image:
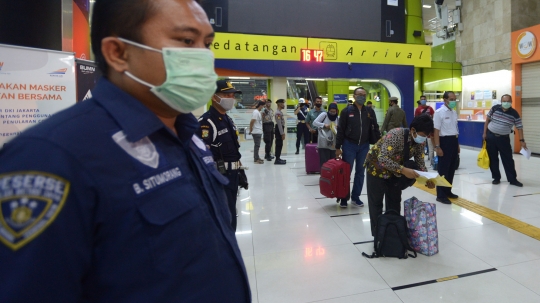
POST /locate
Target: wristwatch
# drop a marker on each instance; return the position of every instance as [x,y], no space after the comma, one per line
[522,140]
[437,146]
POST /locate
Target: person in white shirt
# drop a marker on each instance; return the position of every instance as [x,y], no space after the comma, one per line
[326,124]
[255,129]
[446,144]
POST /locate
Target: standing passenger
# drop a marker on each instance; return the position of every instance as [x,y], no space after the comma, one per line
[395,117]
[311,116]
[256,130]
[500,121]
[327,125]
[353,137]
[280,131]
[446,144]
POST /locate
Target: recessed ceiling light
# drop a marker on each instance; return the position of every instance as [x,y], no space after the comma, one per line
[426,6]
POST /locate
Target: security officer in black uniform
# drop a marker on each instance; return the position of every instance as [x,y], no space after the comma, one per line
[116,199]
[301,128]
[219,132]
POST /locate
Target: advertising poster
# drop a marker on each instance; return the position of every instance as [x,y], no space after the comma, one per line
[87,76]
[479,95]
[34,85]
[487,95]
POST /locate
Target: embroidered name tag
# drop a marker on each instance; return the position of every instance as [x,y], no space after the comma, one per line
[29,202]
[157,180]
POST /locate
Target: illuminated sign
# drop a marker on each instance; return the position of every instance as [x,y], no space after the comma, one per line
[309,55]
[526,45]
[310,252]
[284,48]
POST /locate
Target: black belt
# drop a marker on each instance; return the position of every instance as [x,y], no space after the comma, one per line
[497,135]
[452,136]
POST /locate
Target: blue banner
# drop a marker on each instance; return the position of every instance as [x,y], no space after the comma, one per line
[340,98]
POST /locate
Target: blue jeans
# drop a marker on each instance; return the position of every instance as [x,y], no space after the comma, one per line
[353,152]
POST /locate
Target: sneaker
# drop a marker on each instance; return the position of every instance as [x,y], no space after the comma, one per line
[343,206]
[259,161]
[297,152]
[279,162]
[497,181]
[357,203]
[517,183]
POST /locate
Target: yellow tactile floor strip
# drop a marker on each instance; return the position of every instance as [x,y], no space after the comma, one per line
[522,227]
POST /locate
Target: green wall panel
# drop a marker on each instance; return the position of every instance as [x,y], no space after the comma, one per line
[444,52]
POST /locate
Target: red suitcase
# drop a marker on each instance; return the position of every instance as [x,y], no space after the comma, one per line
[312,159]
[335,180]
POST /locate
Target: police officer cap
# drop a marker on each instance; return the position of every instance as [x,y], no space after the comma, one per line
[225,86]
[280,101]
[393,98]
[301,101]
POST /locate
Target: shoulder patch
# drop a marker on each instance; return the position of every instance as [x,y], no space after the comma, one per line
[205,133]
[29,202]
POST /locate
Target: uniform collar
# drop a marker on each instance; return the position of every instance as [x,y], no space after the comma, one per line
[214,112]
[135,119]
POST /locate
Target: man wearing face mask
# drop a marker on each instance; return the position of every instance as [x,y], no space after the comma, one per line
[301,128]
[446,144]
[353,137]
[219,132]
[500,122]
[425,109]
[311,116]
[116,199]
[395,117]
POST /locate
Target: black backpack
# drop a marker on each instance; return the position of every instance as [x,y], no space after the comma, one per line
[391,237]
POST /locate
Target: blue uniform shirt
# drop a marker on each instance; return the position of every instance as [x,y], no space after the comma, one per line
[219,132]
[103,203]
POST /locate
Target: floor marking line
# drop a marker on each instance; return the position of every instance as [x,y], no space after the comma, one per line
[356,243]
[515,224]
[526,195]
[345,215]
[450,278]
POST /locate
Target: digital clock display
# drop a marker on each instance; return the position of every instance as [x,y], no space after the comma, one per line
[311,55]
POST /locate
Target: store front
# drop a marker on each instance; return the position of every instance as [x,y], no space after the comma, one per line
[526,84]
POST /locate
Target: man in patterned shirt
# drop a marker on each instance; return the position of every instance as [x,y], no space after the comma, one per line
[384,164]
[500,121]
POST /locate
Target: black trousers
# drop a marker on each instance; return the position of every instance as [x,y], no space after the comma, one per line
[232,192]
[326,154]
[279,143]
[314,136]
[447,163]
[268,137]
[302,130]
[377,189]
[496,145]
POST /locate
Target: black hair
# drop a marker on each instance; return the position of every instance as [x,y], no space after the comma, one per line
[418,102]
[423,96]
[359,87]
[506,95]
[447,93]
[318,97]
[122,18]
[280,101]
[369,102]
[422,123]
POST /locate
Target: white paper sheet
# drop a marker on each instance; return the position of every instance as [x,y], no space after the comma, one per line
[526,153]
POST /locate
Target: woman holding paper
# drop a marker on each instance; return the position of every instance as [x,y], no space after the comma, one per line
[385,165]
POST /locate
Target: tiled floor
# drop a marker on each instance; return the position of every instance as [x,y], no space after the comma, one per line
[298,247]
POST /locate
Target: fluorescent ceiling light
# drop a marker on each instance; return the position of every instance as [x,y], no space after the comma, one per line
[239,82]
[243,232]
[426,6]
[264,221]
[314,79]
[369,80]
[240,78]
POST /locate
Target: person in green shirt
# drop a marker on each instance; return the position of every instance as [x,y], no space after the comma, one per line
[311,116]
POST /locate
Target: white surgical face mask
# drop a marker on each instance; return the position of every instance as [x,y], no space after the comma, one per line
[419,139]
[191,79]
[226,103]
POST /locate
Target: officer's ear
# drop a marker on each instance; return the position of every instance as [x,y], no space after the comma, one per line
[115,53]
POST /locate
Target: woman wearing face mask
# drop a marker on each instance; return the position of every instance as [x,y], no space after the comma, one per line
[326,123]
[384,165]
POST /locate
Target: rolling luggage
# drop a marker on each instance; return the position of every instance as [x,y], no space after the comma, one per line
[312,159]
[335,179]
[422,222]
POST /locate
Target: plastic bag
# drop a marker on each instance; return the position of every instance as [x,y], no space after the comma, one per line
[483,159]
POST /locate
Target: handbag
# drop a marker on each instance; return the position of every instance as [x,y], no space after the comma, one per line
[374,132]
[483,158]
[404,182]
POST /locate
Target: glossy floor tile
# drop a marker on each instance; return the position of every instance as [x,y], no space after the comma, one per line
[298,246]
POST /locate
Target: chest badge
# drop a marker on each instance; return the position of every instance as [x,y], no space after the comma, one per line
[143,150]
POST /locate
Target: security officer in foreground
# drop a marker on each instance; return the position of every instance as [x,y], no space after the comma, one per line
[116,199]
[219,132]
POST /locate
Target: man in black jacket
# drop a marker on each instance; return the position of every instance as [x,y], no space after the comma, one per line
[353,138]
